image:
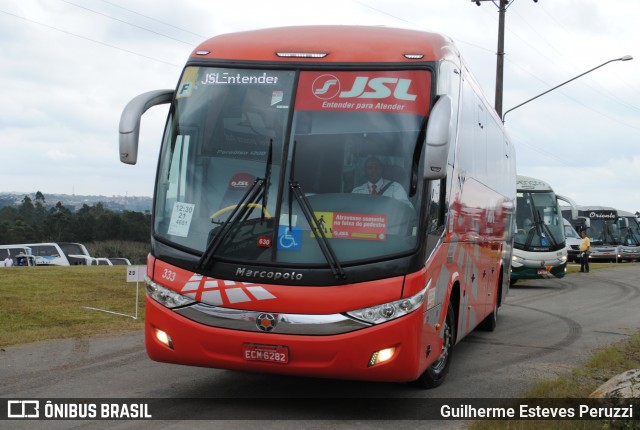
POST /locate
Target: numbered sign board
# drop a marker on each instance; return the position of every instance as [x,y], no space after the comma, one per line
[136,273]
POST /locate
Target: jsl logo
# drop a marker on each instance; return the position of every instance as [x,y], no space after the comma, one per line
[326,87]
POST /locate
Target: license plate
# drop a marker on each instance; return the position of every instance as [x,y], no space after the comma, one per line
[268,353]
[542,272]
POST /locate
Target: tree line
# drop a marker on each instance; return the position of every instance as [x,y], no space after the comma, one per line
[32,221]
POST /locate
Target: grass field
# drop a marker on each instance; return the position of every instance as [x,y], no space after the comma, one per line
[41,303]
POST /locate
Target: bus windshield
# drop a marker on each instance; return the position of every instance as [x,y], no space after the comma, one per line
[539,223]
[604,232]
[631,234]
[276,166]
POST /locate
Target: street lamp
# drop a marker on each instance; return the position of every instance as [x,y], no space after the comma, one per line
[625,58]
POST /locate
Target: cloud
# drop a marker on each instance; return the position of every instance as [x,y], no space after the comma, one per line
[58,155]
[68,71]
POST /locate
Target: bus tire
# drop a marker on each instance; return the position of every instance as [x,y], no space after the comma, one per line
[491,320]
[435,374]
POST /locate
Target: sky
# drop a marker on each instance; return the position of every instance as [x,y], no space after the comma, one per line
[69,67]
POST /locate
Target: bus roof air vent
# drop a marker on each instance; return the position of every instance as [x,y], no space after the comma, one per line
[302,54]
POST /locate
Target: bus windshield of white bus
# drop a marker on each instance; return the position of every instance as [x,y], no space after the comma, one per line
[604,232]
[276,166]
[539,223]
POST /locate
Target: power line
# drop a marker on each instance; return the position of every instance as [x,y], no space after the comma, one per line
[88,39]
[154,19]
[127,23]
[602,91]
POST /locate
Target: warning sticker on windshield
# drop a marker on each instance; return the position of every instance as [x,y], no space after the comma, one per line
[181,219]
[343,225]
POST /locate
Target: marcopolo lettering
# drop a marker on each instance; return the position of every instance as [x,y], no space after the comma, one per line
[268,274]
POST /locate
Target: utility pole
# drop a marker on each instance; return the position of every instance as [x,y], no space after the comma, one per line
[502,9]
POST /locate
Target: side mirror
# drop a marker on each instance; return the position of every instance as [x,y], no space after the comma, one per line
[623,223]
[130,121]
[574,209]
[437,139]
[584,222]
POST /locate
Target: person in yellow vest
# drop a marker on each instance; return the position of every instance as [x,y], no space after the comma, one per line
[585,247]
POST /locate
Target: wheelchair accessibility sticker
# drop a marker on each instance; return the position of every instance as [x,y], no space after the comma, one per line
[289,239]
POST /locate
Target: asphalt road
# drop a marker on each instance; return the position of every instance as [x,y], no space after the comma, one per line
[545,328]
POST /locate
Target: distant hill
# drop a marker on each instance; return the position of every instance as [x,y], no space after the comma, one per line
[75,202]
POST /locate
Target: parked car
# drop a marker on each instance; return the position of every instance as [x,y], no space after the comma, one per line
[101,261]
[118,261]
[573,242]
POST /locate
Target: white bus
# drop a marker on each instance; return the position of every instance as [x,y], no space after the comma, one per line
[21,255]
[539,248]
[46,254]
[601,225]
[629,247]
[76,253]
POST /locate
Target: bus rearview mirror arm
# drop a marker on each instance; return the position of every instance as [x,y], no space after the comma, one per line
[130,121]
[437,139]
[572,203]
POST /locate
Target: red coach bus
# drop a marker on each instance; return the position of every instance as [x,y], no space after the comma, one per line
[330,201]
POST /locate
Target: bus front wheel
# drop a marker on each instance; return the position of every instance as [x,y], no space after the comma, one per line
[435,374]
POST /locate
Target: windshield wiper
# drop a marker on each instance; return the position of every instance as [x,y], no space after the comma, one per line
[241,211]
[317,230]
[541,228]
[316,227]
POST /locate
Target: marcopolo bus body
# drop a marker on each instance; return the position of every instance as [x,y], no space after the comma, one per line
[265,259]
[539,241]
[601,225]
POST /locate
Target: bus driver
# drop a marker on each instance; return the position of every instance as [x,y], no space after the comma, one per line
[377,185]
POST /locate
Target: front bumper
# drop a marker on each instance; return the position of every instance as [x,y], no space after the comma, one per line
[341,356]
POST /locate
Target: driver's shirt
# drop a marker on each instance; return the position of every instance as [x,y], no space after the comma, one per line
[394,190]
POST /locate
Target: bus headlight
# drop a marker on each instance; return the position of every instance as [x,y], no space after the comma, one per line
[389,311]
[165,296]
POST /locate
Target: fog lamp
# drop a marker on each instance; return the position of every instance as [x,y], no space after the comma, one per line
[164,338]
[381,356]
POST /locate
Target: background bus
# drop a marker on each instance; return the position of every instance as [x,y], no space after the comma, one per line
[47,254]
[539,241]
[601,225]
[263,259]
[76,253]
[21,255]
[629,248]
